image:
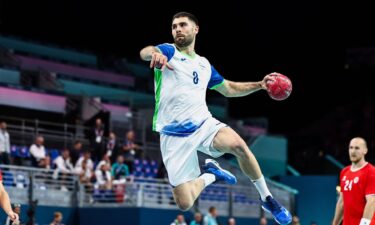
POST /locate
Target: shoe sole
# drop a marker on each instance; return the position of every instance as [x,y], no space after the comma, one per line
[275,218]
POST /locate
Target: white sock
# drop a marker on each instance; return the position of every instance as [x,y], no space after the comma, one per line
[208,178]
[261,186]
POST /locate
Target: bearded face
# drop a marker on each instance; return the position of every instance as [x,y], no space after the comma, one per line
[183,41]
[183,32]
[357,150]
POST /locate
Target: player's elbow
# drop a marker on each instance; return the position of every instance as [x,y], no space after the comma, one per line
[225,92]
[142,54]
[146,53]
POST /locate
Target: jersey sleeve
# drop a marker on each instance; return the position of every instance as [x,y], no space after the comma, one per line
[216,79]
[167,50]
[1,176]
[370,187]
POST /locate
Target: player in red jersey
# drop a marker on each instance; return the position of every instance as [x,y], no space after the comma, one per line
[356,204]
[5,202]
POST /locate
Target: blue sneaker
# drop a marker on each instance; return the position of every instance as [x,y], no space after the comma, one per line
[211,166]
[279,213]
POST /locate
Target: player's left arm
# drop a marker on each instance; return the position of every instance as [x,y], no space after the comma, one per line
[369,210]
[239,89]
[5,203]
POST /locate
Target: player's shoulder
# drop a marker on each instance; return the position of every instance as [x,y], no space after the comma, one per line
[371,167]
[345,169]
[166,45]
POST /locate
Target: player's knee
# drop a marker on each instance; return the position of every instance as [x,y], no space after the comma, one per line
[184,205]
[238,148]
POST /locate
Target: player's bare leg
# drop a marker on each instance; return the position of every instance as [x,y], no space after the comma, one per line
[186,194]
[228,141]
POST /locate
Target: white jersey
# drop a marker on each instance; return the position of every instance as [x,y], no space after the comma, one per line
[180,93]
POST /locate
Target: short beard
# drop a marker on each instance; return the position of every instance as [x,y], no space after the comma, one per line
[184,42]
[356,160]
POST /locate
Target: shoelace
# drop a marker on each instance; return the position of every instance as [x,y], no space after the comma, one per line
[274,205]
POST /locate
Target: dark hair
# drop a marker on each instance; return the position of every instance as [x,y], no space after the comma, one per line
[186,14]
[86,151]
[211,209]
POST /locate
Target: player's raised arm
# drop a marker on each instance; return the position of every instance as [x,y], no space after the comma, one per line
[339,211]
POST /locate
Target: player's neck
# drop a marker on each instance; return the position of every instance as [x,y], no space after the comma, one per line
[188,50]
[359,165]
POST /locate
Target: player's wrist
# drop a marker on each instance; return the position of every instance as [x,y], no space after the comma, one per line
[365,221]
[259,84]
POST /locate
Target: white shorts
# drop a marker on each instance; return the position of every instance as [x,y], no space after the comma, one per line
[180,153]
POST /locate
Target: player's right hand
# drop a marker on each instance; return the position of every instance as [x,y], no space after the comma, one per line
[268,78]
[13,217]
[159,61]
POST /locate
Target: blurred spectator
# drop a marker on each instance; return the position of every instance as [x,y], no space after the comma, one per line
[84,167]
[103,177]
[63,167]
[76,152]
[119,171]
[131,149]
[180,220]
[105,160]
[231,221]
[210,218]
[197,219]
[112,147]
[313,223]
[263,221]
[38,154]
[17,209]
[97,139]
[4,144]
[57,218]
[295,220]
[86,156]
[62,162]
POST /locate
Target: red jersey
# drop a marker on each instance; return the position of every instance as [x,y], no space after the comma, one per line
[355,185]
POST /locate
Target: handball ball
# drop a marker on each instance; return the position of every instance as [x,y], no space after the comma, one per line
[279,89]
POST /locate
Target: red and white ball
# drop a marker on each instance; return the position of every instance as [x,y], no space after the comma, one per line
[281,88]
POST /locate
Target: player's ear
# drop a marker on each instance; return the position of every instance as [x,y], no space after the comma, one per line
[196,29]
